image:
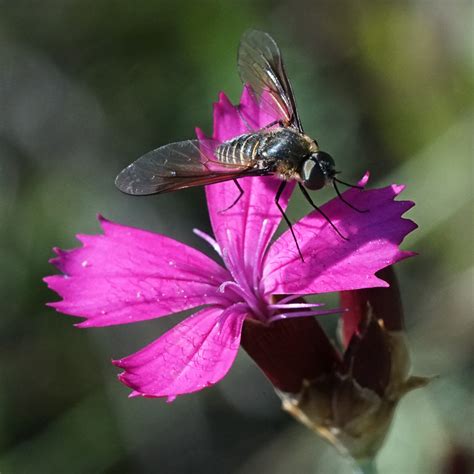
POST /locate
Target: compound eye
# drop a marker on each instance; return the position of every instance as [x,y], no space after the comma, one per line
[327,163]
[312,174]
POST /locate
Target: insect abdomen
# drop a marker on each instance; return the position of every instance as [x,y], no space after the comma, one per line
[241,150]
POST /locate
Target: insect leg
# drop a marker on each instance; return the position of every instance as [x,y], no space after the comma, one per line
[346,202]
[241,193]
[316,208]
[277,199]
[271,124]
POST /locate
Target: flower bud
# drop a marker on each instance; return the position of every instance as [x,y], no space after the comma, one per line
[353,405]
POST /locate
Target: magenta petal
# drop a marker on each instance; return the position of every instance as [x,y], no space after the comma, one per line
[253,220]
[231,121]
[246,229]
[258,115]
[128,275]
[227,120]
[196,353]
[331,263]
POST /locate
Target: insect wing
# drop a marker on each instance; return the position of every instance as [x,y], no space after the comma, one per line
[261,66]
[177,166]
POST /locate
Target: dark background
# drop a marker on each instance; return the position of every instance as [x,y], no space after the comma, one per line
[88,86]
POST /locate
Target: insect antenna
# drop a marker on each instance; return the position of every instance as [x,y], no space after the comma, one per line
[316,208]
[277,199]
[356,186]
[334,182]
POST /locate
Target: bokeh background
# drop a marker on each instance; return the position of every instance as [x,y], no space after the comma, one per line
[87,86]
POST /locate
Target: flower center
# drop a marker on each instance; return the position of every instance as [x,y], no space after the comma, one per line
[247,286]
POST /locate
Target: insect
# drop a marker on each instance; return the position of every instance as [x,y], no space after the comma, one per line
[281,148]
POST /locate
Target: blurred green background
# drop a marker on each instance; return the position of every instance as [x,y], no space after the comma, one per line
[88,86]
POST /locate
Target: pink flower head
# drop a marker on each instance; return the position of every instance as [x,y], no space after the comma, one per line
[128,275]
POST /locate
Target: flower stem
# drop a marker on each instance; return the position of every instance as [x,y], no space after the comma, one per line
[365,466]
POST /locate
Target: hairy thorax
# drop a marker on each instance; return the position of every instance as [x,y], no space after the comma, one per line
[287,149]
[281,151]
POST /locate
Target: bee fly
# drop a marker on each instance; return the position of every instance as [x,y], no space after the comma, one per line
[281,148]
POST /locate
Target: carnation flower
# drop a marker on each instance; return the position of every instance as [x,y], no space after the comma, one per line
[128,275]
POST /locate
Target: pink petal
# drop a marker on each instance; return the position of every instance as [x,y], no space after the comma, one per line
[231,121]
[128,275]
[246,229]
[196,353]
[384,303]
[331,263]
[240,229]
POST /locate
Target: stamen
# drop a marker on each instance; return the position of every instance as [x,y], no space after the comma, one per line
[229,263]
[261,245]
[289,298]
[295,305]
[212,242]
[240,285]
[236,269]
[249,298]
[301,314]
[233,286]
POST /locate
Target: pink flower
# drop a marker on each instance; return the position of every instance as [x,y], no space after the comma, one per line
[128,275]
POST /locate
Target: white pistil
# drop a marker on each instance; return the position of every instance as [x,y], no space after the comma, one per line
[211,241]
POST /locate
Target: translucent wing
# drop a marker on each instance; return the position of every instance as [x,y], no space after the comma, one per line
[261,66]
[177,166]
